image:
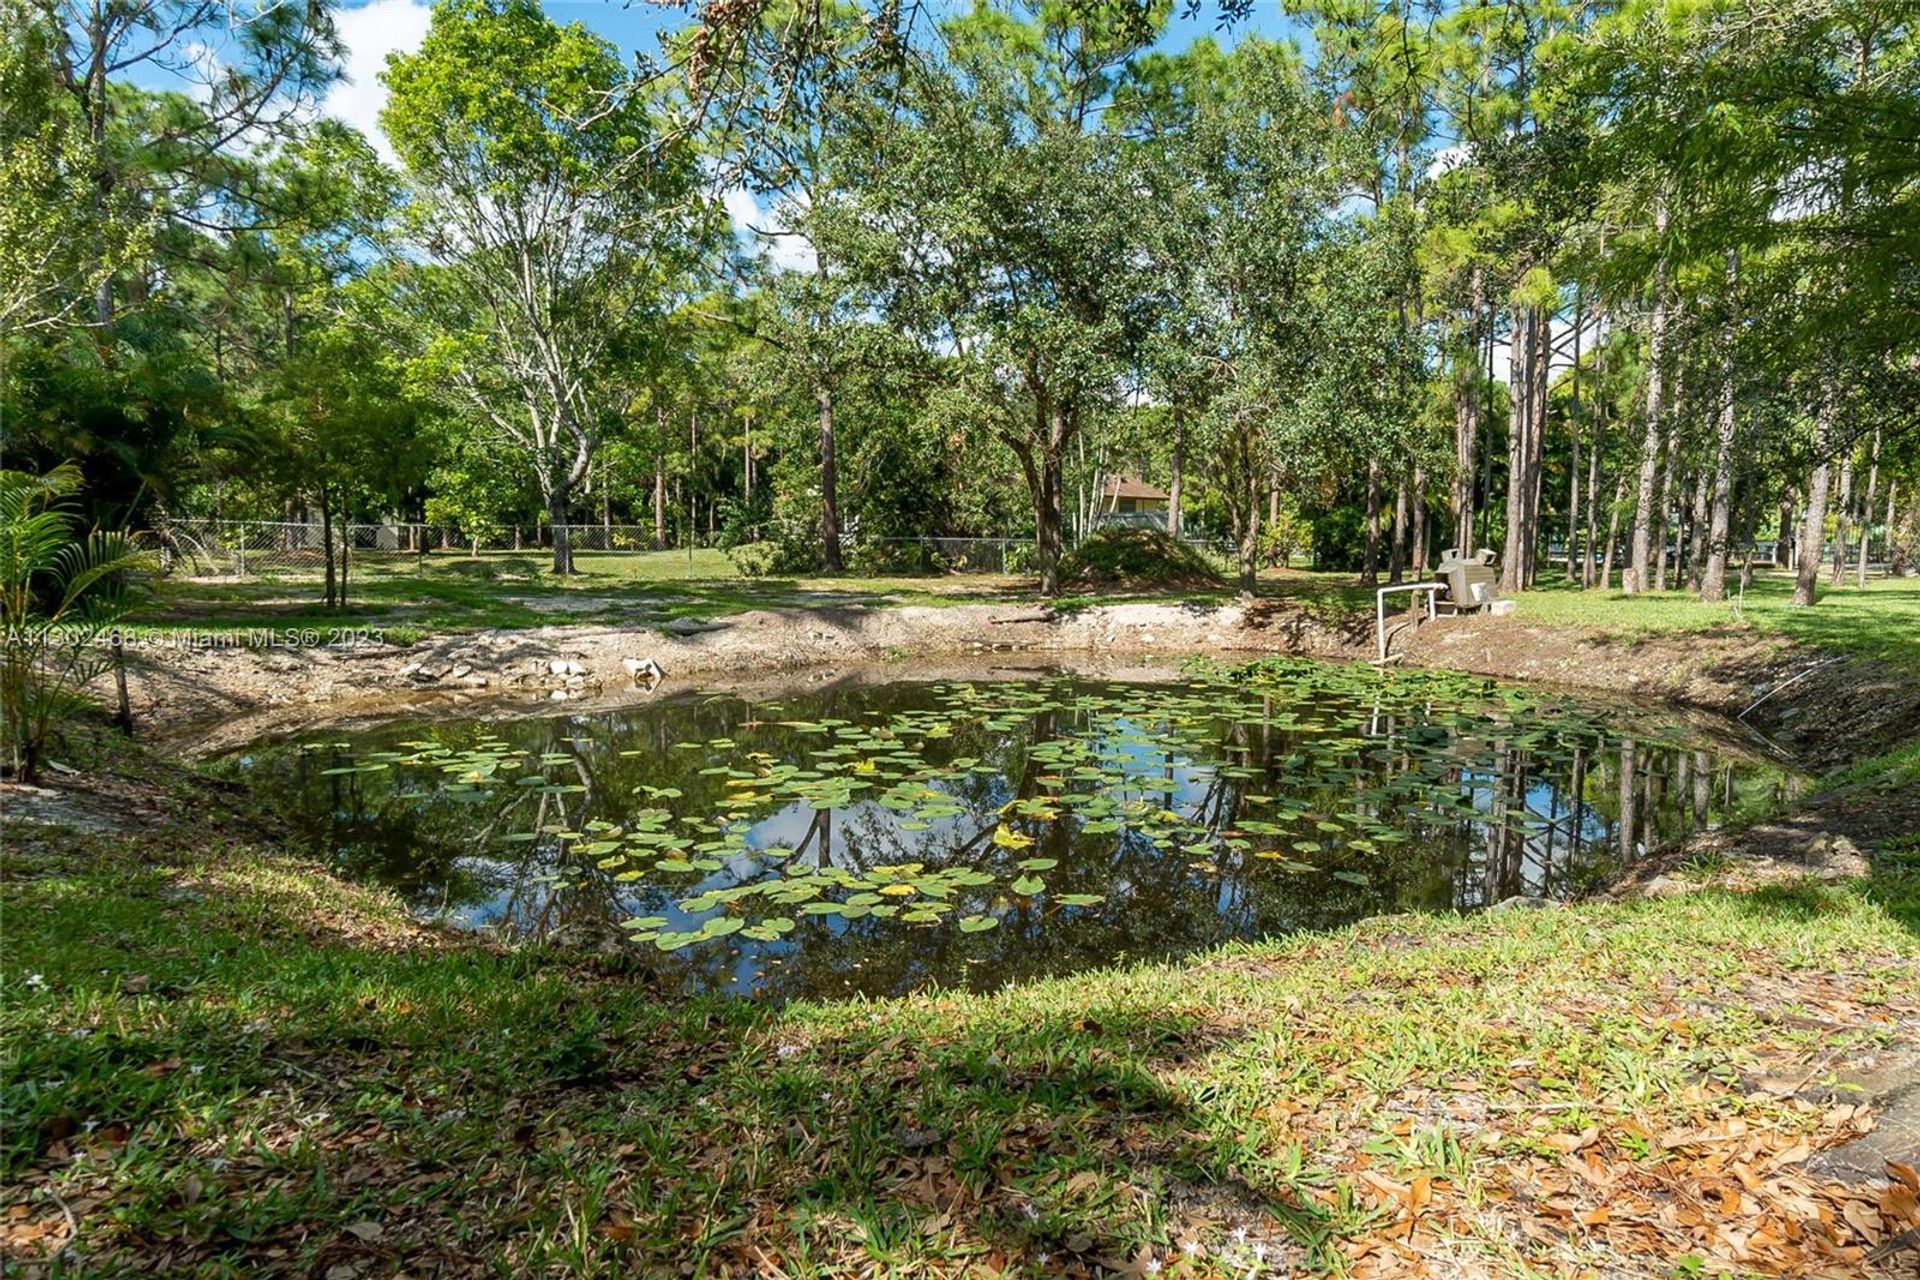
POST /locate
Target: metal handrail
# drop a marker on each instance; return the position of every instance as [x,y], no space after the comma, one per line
[1380,609]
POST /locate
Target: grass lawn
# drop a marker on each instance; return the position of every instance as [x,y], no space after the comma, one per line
[1882,621]
[222,1063]
[513,590]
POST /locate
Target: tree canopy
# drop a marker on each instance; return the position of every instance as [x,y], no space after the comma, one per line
[1622,287]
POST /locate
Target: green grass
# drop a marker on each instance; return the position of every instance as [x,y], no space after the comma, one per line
[509,590]
[263,1071]
[1881,622]
[446,594]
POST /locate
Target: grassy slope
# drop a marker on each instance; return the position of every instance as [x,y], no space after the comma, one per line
[1882,621]
[239,1066]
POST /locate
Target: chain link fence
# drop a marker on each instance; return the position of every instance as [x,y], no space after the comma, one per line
[267,548]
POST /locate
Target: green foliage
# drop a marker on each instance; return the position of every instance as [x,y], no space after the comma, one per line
[58,241]
[756,559]
[559,215]
[1135,557]
[1282,540]
[62,589]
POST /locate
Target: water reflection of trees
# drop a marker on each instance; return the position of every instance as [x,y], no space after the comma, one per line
[1490,806]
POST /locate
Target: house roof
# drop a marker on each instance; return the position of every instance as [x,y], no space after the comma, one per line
[1126,486]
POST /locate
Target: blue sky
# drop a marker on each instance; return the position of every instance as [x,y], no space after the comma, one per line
[374,29]
[378,27]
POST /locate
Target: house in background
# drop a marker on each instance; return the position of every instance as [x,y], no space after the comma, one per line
[1126,499]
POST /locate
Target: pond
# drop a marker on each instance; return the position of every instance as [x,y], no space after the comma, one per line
[881,838]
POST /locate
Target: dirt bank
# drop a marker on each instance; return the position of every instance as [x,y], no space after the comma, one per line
[1822,710]
[182,693]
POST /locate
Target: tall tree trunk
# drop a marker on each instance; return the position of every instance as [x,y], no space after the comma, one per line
[830,560]
[1537,437]
[1613,531]
[1783,536]
[1048,499]
[1466,440]
[1843,511]
[1397,552]
[659,477]
[1813,529]
[1713,581]
[326,541]
[606,509]
[1587,566]
[1485,492]
[1899,546]
[1641,563]
[1419,555]
[1247,531]
[659,501]
[1866,509]
[1370,567]
[1519,384]
[1466,422]
[562,531]
[1697,533]
[1666,525]
[1522,452]
[1573,467]
[687,491]
[1175,512]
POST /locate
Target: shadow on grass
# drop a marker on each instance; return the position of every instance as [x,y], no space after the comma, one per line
[255,1081]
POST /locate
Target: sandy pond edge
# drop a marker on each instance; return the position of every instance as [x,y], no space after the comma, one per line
[1820,710]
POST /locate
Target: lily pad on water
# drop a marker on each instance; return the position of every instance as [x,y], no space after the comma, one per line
[919,805]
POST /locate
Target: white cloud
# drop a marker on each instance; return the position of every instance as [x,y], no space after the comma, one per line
[1446,159]
[204,69]
[783,249]
[742,211]
[370,32]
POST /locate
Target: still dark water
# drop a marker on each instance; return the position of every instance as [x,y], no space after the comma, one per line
[883,838]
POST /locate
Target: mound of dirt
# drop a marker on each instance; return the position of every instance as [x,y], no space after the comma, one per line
[1135,558]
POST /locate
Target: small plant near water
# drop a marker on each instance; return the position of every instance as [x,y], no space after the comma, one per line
[62,591]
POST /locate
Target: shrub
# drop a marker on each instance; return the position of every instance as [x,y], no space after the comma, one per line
[1282,540]
[1020,558]
[62,591]
[1136,557]
[774,556]
[753,559]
